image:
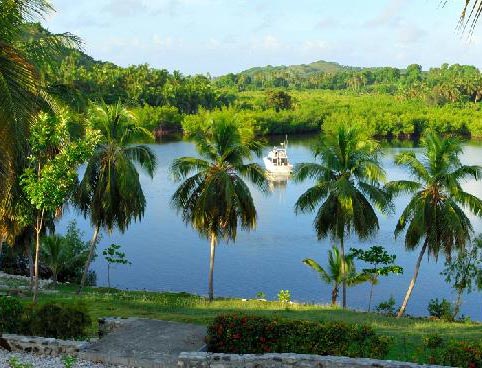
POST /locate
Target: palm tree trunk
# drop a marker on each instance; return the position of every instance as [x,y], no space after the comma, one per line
[371,296]
[211,267]
[414,279]
[93,242]
[334,294]
[343,269]
[38,229]
[54,278]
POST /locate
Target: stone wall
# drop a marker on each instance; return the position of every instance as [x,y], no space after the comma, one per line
[43,345]
[212,360]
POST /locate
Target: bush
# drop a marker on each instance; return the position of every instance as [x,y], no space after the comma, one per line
[241,334]
[442,310]
[453,353]
[11,312]
[77,251]
[387,307]
[59,321]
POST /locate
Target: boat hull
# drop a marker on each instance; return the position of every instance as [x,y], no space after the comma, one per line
[277,169]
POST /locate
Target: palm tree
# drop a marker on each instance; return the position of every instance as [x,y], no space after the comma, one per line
[470,14]
[22,92]
[347,186]
[55,254]
[110,193]
[435,213]
[215,198]
[334,274]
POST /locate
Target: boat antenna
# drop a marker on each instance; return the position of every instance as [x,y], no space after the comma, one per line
[286,141]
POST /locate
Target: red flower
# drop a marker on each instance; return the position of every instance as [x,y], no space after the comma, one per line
[237,336]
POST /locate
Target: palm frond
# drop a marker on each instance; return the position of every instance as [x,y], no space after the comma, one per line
[144,156]
[320,270]
[183,166]
[256,175]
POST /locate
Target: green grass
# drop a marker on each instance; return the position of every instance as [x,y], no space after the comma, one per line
[407,333]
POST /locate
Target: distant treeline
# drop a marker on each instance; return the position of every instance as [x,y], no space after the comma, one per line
[378,114]
[437,86]
[387,101]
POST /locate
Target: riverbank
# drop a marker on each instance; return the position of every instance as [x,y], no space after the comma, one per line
[406,332]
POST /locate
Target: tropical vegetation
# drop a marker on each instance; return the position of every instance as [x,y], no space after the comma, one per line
[434,217]
[214,197]
[110,193]
[348,187]
[339,270]
[60,110]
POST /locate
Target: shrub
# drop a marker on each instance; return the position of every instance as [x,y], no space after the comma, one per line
[59,321]
[11,311]
[442,310]
[387,307]
[453,353]
[241,334]
[284,296]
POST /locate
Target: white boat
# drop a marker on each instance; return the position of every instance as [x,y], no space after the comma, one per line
[277,163]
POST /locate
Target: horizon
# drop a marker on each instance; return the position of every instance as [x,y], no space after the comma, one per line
[209,37]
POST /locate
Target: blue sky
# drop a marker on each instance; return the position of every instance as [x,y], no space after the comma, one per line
[221,36]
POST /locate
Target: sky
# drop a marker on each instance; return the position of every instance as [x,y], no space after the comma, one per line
[222,36]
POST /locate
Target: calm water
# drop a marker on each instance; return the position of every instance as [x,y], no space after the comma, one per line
[168,256]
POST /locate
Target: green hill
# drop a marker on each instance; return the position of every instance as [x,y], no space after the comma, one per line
[320,66]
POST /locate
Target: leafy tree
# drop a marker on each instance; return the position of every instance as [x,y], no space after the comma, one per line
[382,265]
[347,188]
[279,100]
[215,198]
[110,193]
[434,215]
[113,255]
[464,273]
[339,271]
[51,176]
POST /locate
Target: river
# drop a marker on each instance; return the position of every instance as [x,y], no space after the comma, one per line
[167,255]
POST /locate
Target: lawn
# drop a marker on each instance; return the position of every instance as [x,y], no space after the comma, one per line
[406,332]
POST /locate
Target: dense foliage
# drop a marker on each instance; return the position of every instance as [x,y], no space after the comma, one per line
[11,312]
[243,334]
[452,353]
[57,320]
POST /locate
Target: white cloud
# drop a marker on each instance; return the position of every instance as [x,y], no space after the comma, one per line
[389,15]
[271,43]
[410,33]
[314,45]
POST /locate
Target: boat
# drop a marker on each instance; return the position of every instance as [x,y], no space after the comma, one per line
[277,163]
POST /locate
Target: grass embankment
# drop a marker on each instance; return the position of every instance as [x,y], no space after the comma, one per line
[406,332]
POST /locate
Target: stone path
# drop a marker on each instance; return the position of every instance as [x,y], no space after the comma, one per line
[146,343]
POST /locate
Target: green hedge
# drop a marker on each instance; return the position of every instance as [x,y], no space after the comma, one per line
[11,313]
[243,334]
[452,353]
[47,320]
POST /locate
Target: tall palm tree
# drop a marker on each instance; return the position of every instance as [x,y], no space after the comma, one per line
[110,193]
[334,275]
[347,188]
[434,216]
[215,198]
